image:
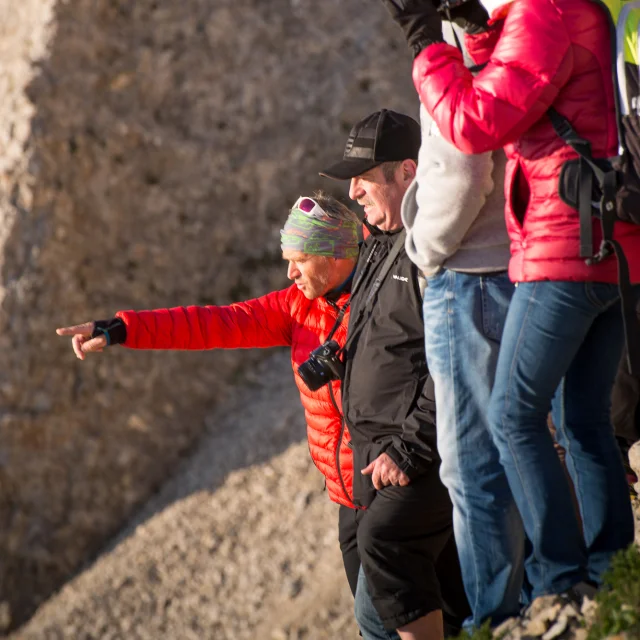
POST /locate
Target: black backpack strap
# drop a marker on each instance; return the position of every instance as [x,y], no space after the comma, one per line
[585,210]
[627,296]
[607,181]
[629,315]
[581,146]
[397,247]
[587,170]
[607,220]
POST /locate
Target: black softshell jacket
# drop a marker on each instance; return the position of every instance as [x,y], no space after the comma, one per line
[388,396]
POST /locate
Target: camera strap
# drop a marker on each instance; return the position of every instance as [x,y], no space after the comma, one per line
[388,263]
[393,254]
[377,283]
[338,321]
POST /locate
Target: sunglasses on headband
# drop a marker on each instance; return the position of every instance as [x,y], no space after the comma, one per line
[310,207]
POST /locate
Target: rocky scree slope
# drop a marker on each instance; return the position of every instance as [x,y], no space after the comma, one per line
[233,547]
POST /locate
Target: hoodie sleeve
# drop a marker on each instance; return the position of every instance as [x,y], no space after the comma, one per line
[445,199]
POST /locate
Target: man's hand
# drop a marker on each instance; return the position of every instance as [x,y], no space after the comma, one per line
[81,340]
[419,20]
[384,471]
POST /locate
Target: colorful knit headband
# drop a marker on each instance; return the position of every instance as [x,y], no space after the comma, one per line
[311,230]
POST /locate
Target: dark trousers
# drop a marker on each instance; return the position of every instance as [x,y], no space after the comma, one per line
[404,541]
[625,401]
[625,405]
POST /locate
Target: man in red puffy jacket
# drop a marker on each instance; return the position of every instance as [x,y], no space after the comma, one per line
[320,241]
[563,335]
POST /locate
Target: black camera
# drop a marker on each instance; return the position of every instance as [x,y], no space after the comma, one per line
[323,365]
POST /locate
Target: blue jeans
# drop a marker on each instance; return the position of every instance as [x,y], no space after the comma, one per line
[464,316]
[367,617]
[560,349]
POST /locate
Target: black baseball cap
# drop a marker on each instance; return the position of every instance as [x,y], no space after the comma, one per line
[384,136]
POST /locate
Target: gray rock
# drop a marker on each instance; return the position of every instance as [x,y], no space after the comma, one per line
[634,458]
[557,629]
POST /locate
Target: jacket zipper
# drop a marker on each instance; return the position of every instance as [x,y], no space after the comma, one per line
[339,445]
[342,425]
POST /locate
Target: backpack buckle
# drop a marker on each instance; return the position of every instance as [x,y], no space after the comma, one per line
[604,252]
[617,163]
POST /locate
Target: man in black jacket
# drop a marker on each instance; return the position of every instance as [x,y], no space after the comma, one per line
[397,541]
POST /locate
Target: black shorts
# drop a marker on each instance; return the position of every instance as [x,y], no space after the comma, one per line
[404,541]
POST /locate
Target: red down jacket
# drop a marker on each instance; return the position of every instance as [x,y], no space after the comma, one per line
[543,53]
[281,318]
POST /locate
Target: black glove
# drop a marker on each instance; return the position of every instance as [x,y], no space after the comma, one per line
[470,15]
[419,20]
[114,330]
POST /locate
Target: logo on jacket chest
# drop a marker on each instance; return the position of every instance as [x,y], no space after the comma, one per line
[401,278]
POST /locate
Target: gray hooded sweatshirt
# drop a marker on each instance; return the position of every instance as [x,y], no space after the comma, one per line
[454,209]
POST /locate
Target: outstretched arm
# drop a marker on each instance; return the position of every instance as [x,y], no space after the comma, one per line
[261,322]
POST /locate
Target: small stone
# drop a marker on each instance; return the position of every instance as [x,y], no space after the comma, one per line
[506,627]
[557,629]
[536,627]
[121,81]
[539,605]
[5,615]
[539,624]
[634,458]
[516,634]
[302,501]
[589,609]
[549,613]
[554,611]
[570,611]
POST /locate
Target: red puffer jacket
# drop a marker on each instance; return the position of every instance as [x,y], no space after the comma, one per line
[543,53]
[281,318]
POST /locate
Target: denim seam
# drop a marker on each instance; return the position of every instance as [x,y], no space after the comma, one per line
[468,523]
[568,458]
[483,306]
[592,296]
[505,432]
